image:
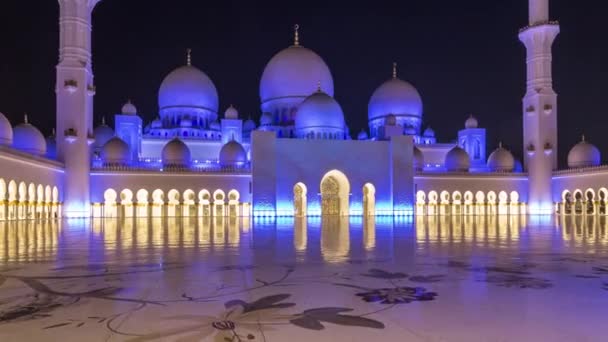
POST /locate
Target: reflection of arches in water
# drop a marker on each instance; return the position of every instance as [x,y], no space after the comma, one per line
[300,200]
[335,238]
[335,190]
[369,233]
[300,234]
[369,200]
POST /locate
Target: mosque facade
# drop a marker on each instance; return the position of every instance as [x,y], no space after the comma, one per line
[299,159]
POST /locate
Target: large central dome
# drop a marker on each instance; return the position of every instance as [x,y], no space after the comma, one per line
[188,86]
[295,72]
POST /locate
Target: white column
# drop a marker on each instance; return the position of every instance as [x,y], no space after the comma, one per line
[539,11]
[74,91]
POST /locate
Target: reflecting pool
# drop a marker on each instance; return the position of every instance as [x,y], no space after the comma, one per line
[507,278]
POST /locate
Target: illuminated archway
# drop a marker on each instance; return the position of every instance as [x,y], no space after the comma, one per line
[233,203]
[491,203]
[433,200]
[514,198]
[335,191]
[3,201]
[55,207]
[22,209]
[173,205]
[590,202]
[126,202]
[468,203]
[456,203]
[219,202]
[369,200]
[189,204]
[300,200]
[602,199]
[40,202]
[31,201]
[503,199]
[204,200]
[142,203]
[158,203]
[110,197]
[444,209]
[578,202]
[480,203]
[420,203]
[12,200]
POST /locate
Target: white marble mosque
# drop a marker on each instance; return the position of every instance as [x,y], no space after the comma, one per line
[301,158]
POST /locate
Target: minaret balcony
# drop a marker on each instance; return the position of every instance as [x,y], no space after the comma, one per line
[548,109]
[70,86]
[91,90]
[548,149]
[531,150]
[70,135]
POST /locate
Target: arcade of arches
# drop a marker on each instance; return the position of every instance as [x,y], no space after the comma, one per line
[588,202]
[480,203]
[21,201]
[175,204]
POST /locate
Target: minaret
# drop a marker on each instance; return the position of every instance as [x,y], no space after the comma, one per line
[539,107]
[75,91]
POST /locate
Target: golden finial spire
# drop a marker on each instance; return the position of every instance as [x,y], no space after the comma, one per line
[103,120]
[25,118]
[394,70]
[583,138]
[296,35]
[188,57]
[500,144]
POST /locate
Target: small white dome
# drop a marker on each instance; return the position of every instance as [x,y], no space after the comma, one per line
[233,154]
[319,112]
[501,160]
[28,138]
[129,108]
[115,152]
[103,133]
[471,122]
[429,133]
[266,119]
[176,154]
[584,154]
[457,160]
[363,135]
[418,159]
[231,113]
[248,125]
[6,131]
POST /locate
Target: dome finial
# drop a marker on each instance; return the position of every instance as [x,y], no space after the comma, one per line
[296,35]
[188,58]
[103,120]
[500,144]
[394,69]
[25,121]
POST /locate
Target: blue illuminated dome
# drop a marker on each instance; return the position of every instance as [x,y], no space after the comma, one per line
[188,86]
[6,131]
[501,160]
[457,160]
[129,108]
[176,154]
[584,154]
[248,125]
[233,154]
[320,115]
[295,72]
[399,98]
[103,133]
[115,152]
[28,138]
[362,135]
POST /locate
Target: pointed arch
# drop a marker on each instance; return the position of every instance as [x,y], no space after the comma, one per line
[369,200]
[300,199]
[335,192]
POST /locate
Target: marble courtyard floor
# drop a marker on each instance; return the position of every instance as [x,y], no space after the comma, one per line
[444,279]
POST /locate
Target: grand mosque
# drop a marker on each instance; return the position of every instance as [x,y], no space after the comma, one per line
[300,159]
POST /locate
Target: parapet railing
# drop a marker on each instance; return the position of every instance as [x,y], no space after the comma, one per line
[173,169]
[584,169]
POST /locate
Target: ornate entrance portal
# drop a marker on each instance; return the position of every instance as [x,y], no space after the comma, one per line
[330,195]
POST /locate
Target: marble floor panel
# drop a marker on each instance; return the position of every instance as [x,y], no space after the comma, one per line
[336,279]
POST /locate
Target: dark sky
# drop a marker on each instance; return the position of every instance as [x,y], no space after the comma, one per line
[463,56]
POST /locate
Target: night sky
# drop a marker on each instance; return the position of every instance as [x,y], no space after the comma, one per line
[463,57]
